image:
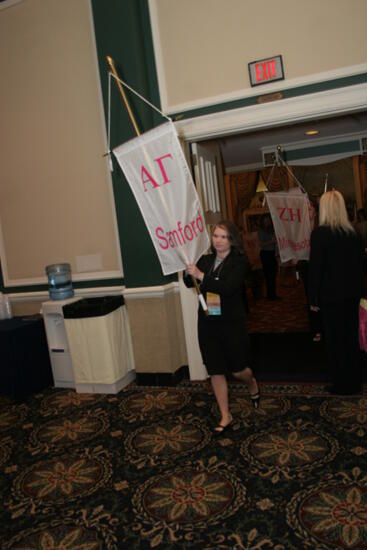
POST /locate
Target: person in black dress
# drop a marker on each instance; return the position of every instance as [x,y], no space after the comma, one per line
[314,317]
[223,337]
[335,288]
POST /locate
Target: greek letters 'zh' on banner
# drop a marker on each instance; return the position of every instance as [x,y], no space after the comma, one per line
[290,213]
[157,172]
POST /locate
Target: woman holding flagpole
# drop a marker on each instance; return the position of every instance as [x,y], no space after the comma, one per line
[223,337]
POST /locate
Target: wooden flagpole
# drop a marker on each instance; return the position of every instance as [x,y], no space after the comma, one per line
[123,95]
[136,128]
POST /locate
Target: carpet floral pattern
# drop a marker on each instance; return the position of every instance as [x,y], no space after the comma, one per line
[144,469]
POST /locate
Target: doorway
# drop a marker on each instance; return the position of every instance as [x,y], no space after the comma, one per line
[279,331]
[339,114]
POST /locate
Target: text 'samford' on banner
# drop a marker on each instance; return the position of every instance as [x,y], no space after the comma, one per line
[291,219]
[157,172]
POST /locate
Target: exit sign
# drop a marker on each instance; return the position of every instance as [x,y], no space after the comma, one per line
[266,70]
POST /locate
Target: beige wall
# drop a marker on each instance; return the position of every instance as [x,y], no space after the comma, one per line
[56,201]
[157,333]
[26,308]
[205,45]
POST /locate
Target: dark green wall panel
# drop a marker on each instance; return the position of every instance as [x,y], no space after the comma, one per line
[351,147]
[122,30]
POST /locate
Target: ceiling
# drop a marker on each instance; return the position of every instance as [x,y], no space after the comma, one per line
[244,150]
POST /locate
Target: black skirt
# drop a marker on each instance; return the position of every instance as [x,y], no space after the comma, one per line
[224,345]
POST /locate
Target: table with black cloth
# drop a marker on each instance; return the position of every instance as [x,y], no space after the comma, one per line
[24,358]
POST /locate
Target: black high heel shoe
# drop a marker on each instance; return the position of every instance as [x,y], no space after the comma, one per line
[255,399]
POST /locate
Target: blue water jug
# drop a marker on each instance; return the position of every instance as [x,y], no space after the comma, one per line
[59,281]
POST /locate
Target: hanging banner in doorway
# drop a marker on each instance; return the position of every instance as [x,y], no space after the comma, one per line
[291,219]
[157,172]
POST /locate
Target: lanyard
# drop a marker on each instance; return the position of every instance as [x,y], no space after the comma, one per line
[218,268]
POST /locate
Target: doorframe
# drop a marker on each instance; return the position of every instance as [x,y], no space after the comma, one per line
[329,103]
[267,115]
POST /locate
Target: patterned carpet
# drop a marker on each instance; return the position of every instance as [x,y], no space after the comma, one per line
[289,314]
[142,469]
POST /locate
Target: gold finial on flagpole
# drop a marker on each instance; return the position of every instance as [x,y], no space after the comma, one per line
[122,92]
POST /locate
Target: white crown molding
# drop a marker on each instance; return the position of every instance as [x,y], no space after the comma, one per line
[286,111]
[88,276]
[38,296]
[274,87]
[325,159]
[314,142]
[305,144]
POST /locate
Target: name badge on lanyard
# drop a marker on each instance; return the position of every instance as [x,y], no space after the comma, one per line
[213,303]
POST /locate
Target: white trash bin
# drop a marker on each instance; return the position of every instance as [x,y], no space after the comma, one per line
[100,344]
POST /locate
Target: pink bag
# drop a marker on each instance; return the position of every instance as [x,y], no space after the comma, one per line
[363,324]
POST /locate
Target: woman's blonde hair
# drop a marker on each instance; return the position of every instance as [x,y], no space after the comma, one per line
[332,211]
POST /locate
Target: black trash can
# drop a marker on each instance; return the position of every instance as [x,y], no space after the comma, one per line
[92,307]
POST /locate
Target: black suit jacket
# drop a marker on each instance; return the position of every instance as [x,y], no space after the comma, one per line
[336,266]
[228,280]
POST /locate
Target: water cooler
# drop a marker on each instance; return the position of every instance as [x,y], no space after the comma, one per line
[57,342]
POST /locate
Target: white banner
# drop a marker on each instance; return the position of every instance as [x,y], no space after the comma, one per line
[157,172]
[291,219]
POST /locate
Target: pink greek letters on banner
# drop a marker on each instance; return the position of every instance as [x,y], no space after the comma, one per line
[149,177]
[289,214]
[291,219]
[158,175]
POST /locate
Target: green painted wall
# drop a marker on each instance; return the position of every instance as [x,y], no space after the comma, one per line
[351,147]
[122,30]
